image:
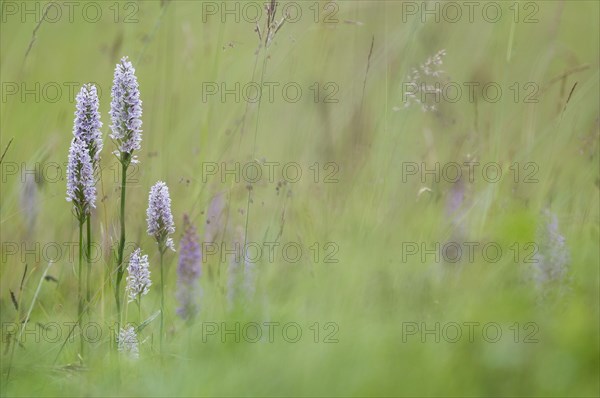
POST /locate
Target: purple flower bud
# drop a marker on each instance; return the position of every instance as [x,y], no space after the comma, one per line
[159,217]
[127,342]
[81,188]
[126,111]
[87,121]
[188,271]
[138,278]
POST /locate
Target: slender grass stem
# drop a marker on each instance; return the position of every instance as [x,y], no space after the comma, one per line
[17,340]
[262,78]
[6,150]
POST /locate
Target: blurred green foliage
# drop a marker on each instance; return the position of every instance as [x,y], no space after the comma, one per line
[179,49]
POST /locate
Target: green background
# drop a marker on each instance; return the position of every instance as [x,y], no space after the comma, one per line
[370,294]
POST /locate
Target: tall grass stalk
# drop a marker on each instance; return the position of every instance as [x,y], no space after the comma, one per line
[5,150]
[24,323]
[262,78]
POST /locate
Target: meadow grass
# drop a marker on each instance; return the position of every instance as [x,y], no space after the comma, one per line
[354,314]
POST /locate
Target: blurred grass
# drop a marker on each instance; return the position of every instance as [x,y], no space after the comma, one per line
[368,214]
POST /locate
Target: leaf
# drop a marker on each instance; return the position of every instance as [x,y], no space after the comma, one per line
[147,322]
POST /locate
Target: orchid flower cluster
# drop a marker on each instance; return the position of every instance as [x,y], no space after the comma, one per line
[83,171]
[126,112]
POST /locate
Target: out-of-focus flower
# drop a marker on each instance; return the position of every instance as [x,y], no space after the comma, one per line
[188,271]
[551,262]
[214,226]
[241,277]
[127,342]
[29,203]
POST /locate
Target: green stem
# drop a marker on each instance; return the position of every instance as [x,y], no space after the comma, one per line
[140,309]
[162,300]
[79,291]
[89,263]
[120,267]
